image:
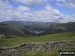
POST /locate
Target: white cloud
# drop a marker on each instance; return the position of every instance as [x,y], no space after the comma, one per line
[32,3]
[23,13]
[67,3]
[68,19]
[5,5]
[48,7]
[23,8]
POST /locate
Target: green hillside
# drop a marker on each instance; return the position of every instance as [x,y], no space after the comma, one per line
[10,42]
[60,28]
[13,30]
[22,28]
[69,27]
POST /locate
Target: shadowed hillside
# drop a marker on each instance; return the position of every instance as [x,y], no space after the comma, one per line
[22,28]
[60,27]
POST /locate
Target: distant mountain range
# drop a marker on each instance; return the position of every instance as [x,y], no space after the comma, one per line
[23,28]
[27,28]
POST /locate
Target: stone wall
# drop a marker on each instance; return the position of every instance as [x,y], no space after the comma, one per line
[42,47]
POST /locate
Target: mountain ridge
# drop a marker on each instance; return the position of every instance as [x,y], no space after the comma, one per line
[21,27]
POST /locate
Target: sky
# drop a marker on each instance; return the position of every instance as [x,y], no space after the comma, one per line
[37,10]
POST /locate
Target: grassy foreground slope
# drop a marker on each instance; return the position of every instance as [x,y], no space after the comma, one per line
[12,42]
[50,53]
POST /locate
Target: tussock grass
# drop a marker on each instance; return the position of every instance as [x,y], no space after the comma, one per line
[49,53]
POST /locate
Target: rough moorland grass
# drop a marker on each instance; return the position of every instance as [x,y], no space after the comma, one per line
[50,53]
[12,42]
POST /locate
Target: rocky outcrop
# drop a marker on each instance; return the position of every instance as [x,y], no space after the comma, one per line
[42,47]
